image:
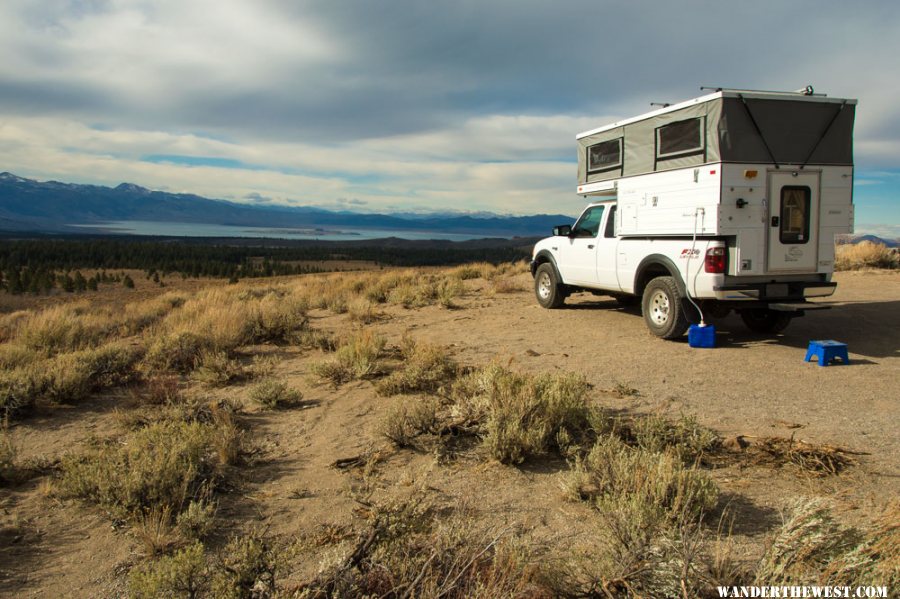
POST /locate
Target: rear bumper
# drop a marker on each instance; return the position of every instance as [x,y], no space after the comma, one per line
[793,290]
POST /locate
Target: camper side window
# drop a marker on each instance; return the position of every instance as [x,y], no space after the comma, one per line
[604,156]
[680,138]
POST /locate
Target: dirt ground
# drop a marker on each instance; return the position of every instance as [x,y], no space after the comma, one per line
[749,385]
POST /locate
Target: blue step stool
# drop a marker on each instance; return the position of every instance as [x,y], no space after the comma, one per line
[827,351]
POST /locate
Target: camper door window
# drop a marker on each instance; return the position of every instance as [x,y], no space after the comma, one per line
[795,202]
[604,156]
[680,138]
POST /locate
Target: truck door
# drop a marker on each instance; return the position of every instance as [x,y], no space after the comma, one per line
[607,244]
[793,221]
[577,261]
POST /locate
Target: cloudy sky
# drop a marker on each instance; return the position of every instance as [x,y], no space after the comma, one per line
[408,105]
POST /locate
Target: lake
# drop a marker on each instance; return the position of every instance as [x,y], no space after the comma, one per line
[140,227]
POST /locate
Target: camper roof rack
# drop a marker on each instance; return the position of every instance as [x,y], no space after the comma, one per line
[804,91]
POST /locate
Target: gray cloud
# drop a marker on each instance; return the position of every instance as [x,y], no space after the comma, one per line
[404,103]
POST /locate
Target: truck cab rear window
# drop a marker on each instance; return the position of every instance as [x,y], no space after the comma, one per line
[679,138]
[604,156]
[795,203]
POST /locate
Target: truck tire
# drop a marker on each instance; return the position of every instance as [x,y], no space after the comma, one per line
[663,312]
[547,288]
[763,320]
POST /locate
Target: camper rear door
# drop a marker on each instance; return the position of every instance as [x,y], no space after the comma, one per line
[793,221]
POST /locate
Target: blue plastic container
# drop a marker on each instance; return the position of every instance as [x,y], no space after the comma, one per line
[699,336]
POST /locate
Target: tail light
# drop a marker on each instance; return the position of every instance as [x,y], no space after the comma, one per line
[716,260]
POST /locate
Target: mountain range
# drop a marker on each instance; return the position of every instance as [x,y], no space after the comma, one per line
[27,205]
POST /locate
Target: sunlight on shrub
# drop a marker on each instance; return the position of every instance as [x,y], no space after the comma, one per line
[865,254]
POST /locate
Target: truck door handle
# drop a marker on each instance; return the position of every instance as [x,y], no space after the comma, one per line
[590,247]
[774,221]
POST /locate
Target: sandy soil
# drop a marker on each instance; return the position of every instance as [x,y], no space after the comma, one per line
[749,385]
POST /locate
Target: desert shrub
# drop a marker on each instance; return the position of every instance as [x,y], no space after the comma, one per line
[197,519]
[356,357]
[178,352]
[625,559]
[14,355]
[685,436]
[137,316]
[8,455]
[650,507]
[658,488]
[246,568]
[163,464]
[159,390]
[812,547]
[447,290]
[403,422]
[216,369]
[216,316]
[280,318]
[409,552]
[184,574]
[362,311]
[470,271]
[521,414]
[425,369]
[63,328]
[275,394]
[19,389]
[865,255]
[317,339]
[72,377]
[506,285]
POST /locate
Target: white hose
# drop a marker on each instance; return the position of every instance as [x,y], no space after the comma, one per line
[687,268]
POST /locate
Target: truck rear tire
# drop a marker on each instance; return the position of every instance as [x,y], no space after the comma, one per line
[547,288]
[763,320]
[663,312]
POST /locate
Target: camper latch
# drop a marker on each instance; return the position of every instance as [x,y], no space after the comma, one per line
[741,202]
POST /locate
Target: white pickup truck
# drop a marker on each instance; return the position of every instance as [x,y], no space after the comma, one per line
[665,274]
[729,201]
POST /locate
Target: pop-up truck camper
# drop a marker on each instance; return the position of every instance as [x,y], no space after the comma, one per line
[729,201]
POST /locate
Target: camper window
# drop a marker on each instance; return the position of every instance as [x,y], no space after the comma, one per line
[604,156]
[680,138]
[795,202]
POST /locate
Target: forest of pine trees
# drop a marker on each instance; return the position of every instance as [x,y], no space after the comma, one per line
[40,265]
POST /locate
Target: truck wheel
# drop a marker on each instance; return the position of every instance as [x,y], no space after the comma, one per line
[763,320]
[547,288]
[662,308]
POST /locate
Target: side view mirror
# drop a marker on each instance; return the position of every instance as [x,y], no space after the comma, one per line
[562,230]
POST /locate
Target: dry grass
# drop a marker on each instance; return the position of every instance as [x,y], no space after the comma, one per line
[865,255]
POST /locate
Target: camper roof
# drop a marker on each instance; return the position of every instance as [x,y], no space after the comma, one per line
[731,93]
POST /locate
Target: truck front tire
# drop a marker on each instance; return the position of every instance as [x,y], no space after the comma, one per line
[547,288]
[662,309]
